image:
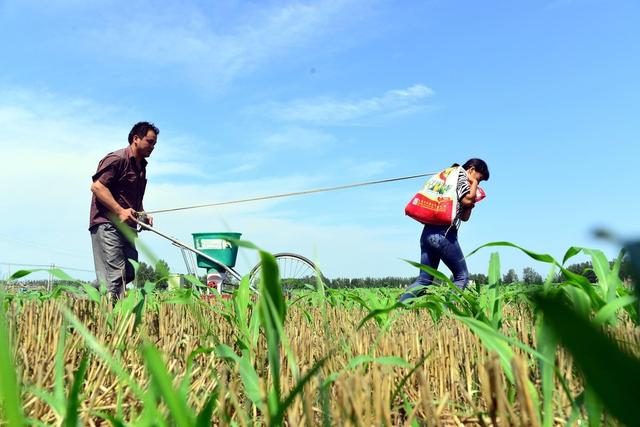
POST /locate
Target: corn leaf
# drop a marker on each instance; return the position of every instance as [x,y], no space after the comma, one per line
[609,312]
[205,415]
[611,373]
[92,292]
[73,400]
[162,381]
[9,388]
[250,379]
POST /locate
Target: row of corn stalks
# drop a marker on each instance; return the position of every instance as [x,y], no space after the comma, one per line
[494,355]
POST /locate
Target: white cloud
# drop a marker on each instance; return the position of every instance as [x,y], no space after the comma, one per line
[326,110]
[290,144]
[369,169]
[556,4]
[210,50]
[248,163]
[171,168]
[300,139]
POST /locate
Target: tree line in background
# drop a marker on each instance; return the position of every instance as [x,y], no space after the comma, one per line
[529,276]
[153,274]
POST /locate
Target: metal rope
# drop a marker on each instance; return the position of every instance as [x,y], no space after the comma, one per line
[296,193]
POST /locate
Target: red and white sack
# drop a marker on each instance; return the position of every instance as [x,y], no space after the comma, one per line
[437,202]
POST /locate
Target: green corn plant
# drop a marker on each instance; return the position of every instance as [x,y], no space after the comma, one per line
[482,314]
[499,343]
[547,345]
[603,302]
[406,377]
[490,297]
[94,294]
[10,393]
[59,274]
[246,319]
[606,300]
[575,279]
[181,413]
[461,303]
[162,387]
[613,295]
[378,308]
[55,272]
[248,374]
[76,286]
[73,399]
[611,373]
[113,362]
[56,399]
[118,318]
[186,380]
[67,407]
[381,314]
[271,308]
[480,310]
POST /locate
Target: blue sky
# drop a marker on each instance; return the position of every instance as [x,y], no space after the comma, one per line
[257,98]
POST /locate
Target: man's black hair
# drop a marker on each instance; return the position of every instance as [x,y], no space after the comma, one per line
[141,129]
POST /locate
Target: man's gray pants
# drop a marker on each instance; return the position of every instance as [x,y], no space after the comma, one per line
[111,252]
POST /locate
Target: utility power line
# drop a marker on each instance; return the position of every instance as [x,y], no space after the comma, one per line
[47,266]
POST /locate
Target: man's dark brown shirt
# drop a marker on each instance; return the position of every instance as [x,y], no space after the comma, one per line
[119,172]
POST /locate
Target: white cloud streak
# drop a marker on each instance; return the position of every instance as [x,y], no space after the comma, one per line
[299,139]
[327,110]
[183,35]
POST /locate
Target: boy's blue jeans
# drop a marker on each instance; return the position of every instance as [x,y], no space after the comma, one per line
[439,243]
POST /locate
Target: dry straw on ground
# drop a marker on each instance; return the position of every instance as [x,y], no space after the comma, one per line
[458,383]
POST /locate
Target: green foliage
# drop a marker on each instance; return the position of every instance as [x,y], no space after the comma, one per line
[73,400]
[531,277]
[9,387]
[547,346]
[633,251]
[145,273]
[584,269]
[479,278]
[626,268]
[493,308]
[161,379]
[64,407]
[510,277]
[162,271]
[157,275]
[370,282]
[612,374]
[565,314]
